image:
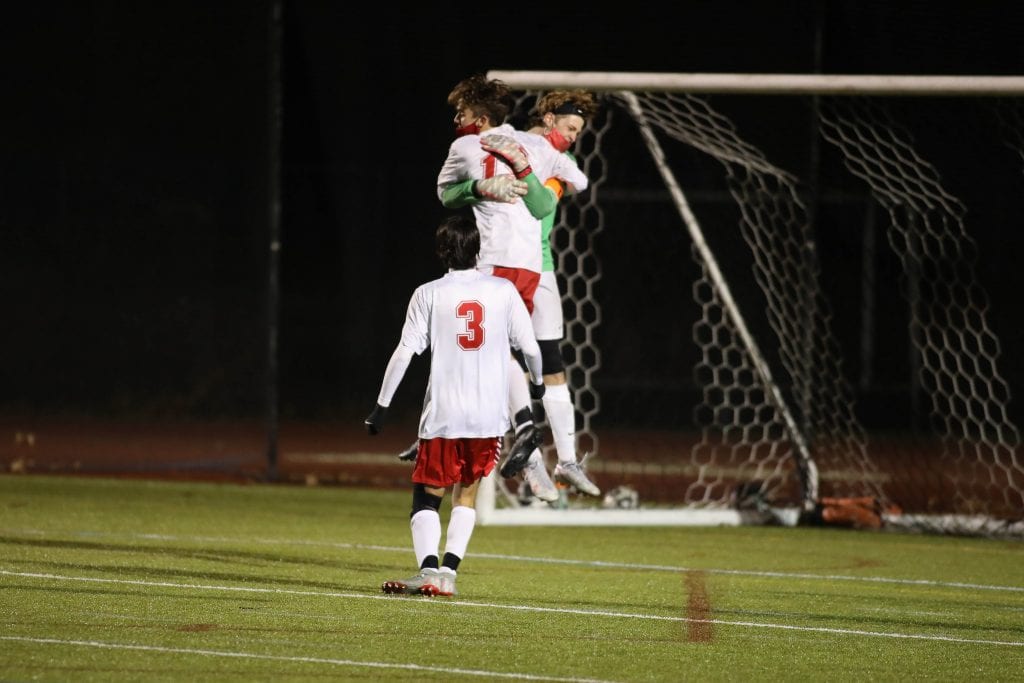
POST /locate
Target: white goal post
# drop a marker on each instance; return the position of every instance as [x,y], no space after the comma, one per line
[776,429]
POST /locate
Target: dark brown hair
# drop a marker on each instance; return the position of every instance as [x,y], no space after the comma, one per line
[457,242]
[490,98]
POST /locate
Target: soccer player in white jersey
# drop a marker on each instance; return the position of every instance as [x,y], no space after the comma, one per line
[510,230]
[556,121]
[471,322]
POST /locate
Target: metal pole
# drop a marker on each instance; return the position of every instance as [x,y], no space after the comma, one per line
[809,304]
[805,463]
[274,230]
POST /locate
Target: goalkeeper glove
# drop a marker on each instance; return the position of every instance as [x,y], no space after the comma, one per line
[375,422]
[509,151]
[501,188]
[537,391]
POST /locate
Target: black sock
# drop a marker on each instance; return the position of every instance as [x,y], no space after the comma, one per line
[523,419]
[452,561]
[429,562]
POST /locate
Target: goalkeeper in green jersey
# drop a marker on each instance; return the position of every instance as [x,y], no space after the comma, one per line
[558,117]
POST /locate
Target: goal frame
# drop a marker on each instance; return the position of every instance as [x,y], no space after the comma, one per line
[624,84]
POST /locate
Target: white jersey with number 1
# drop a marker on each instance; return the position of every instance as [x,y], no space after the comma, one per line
[469,321]
[509,234]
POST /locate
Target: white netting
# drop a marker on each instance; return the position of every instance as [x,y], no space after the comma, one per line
[959,352]
[755,407]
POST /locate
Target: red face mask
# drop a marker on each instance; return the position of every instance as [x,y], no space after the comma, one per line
[471,129]
[557,140]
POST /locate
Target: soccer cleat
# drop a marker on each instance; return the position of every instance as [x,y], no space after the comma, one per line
[446,582]
[528,440]
[536,476]
[571,474]
[424,583]
[409,454]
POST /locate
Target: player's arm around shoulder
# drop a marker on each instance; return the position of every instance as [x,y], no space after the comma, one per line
[455,180]
[540,200]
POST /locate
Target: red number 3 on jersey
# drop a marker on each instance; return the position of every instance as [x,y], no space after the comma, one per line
[473,313]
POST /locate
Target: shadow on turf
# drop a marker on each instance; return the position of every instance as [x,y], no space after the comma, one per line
[246,558]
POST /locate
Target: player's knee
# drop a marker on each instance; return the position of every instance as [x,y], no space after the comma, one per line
[551,356]
[423,500]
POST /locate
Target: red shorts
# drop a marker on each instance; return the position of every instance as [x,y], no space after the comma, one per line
[526,282]
[441,463]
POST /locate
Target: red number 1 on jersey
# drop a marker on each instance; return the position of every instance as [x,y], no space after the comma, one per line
[473,313]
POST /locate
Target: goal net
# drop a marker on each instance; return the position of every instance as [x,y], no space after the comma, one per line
[777,301]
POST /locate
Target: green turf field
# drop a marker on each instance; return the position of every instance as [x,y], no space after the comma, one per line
[163,581]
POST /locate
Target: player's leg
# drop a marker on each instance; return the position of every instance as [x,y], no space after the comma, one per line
[525,455]
[478,457]
[425,525]
[547,324]
[460,530]
[436,469]
[562,418]
[549,328]
[527,436]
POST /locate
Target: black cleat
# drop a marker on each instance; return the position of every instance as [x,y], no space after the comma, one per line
[528,439]
[409,454]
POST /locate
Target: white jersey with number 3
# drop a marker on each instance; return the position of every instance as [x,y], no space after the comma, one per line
[469,321]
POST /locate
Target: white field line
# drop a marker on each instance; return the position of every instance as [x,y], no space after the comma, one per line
[309,660]
[514,608]
[544,560]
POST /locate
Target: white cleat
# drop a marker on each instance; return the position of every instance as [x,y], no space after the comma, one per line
[536,475]
[425,583]
[571,474]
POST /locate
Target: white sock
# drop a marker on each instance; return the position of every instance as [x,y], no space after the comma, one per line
[460,529]
[426,534]
[518,393]
[562,419]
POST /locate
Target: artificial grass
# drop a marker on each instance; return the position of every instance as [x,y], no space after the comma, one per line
[261,582]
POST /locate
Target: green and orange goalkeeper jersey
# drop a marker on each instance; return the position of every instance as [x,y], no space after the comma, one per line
[547,224]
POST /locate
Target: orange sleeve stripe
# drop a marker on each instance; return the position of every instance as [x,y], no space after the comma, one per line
[556,186]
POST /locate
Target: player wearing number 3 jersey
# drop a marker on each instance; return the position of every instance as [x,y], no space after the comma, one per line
[470,321]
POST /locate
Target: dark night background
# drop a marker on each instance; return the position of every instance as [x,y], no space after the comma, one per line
[134,210]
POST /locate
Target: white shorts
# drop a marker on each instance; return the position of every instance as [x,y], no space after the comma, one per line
[547,308]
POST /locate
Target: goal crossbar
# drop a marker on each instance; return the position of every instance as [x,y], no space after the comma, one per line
[778,84]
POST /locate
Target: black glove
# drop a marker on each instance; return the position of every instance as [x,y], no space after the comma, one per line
[375,422]
[537,391]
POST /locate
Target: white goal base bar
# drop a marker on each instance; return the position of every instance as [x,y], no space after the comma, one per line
[527,516]
[488,514]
